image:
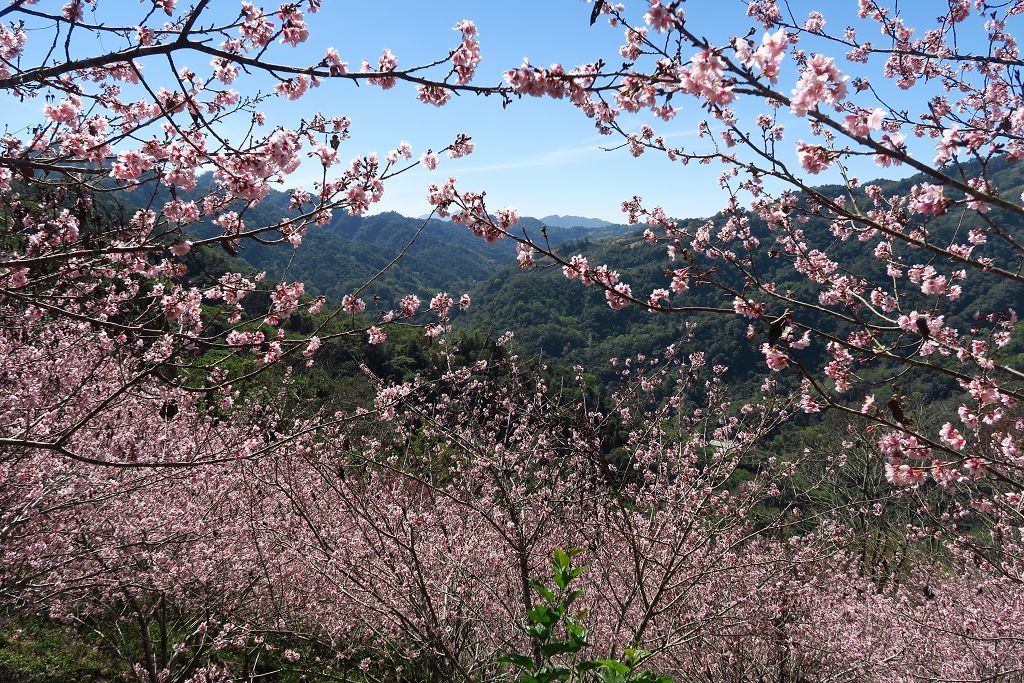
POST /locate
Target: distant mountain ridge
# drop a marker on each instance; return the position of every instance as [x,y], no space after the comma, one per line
[349,252]
[575,222]
[340,257]
[556,221]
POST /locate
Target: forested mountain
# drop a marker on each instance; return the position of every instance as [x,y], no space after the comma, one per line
[350,251]
[557,221]
[564,320]
[568,322]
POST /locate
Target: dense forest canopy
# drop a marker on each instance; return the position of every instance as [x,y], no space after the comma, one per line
[249,431]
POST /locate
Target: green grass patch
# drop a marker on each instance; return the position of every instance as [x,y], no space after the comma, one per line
[39,651]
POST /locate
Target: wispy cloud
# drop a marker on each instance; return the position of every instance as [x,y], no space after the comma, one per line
[556,157]
[562,155]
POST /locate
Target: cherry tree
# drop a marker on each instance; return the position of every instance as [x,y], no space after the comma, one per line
[872,273]
[413,546]
[79,270]
[127,340]
[235,541]
[851,288]
[406,541]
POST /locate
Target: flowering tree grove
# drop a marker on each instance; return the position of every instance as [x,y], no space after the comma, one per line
[841,328]
[205,538]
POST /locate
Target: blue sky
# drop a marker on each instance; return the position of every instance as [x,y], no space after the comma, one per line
[538,155]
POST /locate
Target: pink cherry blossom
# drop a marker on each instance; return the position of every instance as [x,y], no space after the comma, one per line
[352,304]
[813,158]
[429,160]
[774,357]
[820,83]
[928,199]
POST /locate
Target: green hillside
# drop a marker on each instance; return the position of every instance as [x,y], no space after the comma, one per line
[348,252]
[568,322]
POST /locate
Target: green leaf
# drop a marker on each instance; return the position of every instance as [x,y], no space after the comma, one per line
[577,634]
[648,677]
[613,665]
[554,673]
[517,659]
[542,615]
[559,648]
[635,655]
[543,590]
[541,633]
